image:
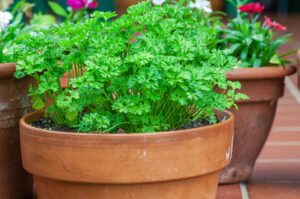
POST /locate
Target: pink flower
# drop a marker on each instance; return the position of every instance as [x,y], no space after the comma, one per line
[252,8]
[274,24]
[82,4]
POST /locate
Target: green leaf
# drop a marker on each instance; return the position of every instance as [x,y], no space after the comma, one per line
[37,103]
[42,20]
[57,9]
[248,41]
[258,37]
[244,53]
[71,116]
[235,47]
[276,60]
[257,63]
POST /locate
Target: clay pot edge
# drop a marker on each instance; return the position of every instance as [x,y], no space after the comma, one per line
[7,69]
[121,137]
[269,72]
[34,142]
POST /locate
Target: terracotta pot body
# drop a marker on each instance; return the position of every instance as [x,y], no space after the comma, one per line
[15,182]
[170,165]
[122,5]
[217,4]
[254,118]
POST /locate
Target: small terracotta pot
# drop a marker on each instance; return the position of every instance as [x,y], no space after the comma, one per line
[181,164]
[254,118]
[122,5]
[217,4]
[15,182]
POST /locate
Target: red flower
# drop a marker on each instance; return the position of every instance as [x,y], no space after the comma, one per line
[82,4]
[93,5]
[274,24]
[252,8]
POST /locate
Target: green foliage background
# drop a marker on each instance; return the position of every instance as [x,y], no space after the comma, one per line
[42,5]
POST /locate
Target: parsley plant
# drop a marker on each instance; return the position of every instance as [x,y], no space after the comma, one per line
[153,69]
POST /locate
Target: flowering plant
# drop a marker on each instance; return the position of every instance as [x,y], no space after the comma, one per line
[77,9]
[150,70]
[253,42]
[12,27]
[203,5]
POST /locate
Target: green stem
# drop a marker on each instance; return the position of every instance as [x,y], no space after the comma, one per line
[289,53]
[108,130]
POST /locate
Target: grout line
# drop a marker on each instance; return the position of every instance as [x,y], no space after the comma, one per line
[279,161]
[282,143]
[286,128]
[281,181]
[293,89]
[244,191]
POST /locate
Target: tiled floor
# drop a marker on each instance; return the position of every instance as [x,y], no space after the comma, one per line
[277,170]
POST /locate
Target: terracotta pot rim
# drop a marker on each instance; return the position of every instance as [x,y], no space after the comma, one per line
[7,69]
[120,137]
[268,72]
[209,148]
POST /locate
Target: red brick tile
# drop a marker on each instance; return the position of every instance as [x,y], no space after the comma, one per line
[281,136]
[229,192]
[294,79]
[291,110]
[280,152]
[276,171]
[274,190]
[284,122]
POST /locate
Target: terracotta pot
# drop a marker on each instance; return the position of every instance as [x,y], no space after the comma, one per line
[15,183]
[181,164]
[217,4]
[64,80]
[122,5]
[254,117]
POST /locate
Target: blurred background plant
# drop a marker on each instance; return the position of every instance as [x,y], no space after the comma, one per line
[15,21]
[255,42]
[4,4]
[76,10]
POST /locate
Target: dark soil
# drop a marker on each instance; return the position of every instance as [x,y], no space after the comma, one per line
[48,124]
[195,124]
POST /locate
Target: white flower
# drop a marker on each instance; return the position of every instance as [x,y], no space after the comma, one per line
[5,18]
[4,4]
[204,5]
[158,2]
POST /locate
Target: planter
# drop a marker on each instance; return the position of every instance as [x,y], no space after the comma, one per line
[122,5]
[15,183]
[181,164]
[217,4]
[254,118]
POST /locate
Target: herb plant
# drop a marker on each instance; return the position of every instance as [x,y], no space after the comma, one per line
[253,42]
[153,69]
